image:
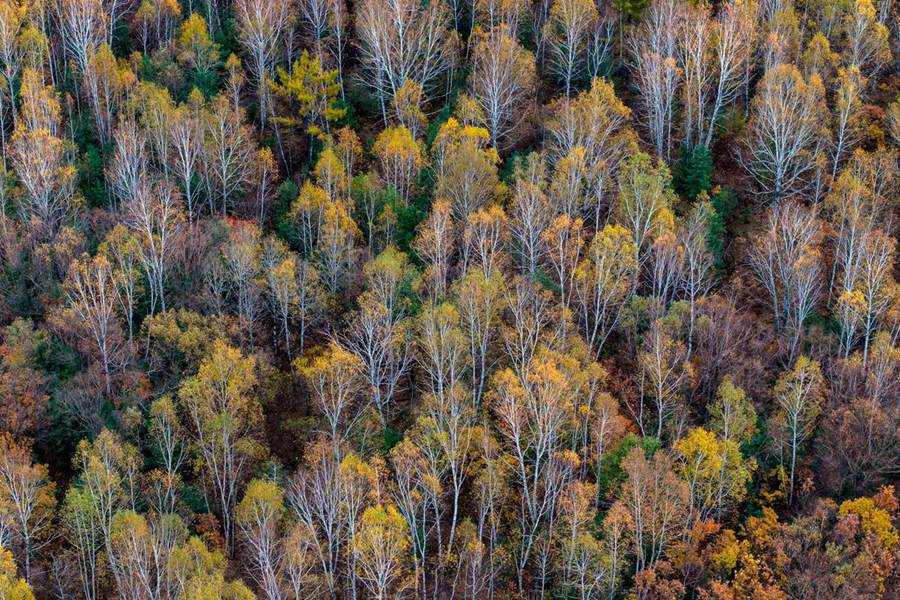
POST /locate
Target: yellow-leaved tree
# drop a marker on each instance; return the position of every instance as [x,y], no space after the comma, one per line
[11,587]
[224,416]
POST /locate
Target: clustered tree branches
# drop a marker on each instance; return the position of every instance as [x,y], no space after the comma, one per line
[438,300]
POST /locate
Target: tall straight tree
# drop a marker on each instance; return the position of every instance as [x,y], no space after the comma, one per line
[261,26]
[502,83]
[654,65]
[27,500]
[259,518]
[84,25]
[228,150]
[604,280]
[534,409]
[713,53]
[799,397]
[404,39]
[155,216]
[567,35]
[13,18]
[91,294]
[597,121]
[38,157]
[184,137]
[787,261]
[785,134]
[223,416]
[656,501]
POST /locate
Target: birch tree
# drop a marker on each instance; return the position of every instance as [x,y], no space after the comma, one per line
[785,134]
[786,259]
[381,547]
[258,516]
[533,409]
[27,500]
[567,36]
[656,501]
[185,138]
[798,394]
[503,81]
[91,295]
[654,65]
[39,158]
[697,277]
[597,121]
[400,40]
[645,201]
[335,378]
[261,26]
[155,216]
[604,280]
[227,152]
[223,417]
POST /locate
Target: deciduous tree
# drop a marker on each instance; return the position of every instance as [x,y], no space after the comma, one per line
[223,417]
[258,517]
[336,381]
[400,40]
[798,394]
[27,500]
[39,158]
[567,36]
[91,295]
[657,75]
[597,121]
[466,167]
[785,258]
[656,502]
[645,200]
[400,158]
[604,280]
[381,546]
[503,81]
[155,216]
[786,132]
[665,374]
[261,26]
[11,587]
[227,152]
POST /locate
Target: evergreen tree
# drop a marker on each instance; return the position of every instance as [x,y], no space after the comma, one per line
[694,171]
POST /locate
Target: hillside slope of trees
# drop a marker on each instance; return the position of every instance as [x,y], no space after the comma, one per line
[449,300]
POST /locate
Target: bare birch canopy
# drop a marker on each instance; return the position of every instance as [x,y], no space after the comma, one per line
[449,299]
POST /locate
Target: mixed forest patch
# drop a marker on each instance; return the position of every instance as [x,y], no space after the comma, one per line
[434,299]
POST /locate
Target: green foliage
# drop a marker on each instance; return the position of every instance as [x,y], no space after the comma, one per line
[631,10]
[363,191]
[724,202]
[365,104]
[610,474]
[200,54]
[121,42]
[639,312]
[434,127]
[313,93]
[227,38]
[91,180]
[693,173]
[194,499]
[389,439]
[284,196]
[408,218]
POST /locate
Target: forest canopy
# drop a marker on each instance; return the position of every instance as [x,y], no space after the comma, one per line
[445,299]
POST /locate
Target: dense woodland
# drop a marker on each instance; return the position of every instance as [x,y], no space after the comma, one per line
[449,299]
